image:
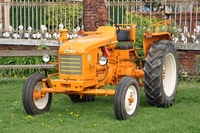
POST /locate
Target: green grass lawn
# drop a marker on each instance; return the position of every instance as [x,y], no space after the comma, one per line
[65,116]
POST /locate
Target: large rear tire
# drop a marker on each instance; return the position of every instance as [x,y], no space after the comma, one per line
[127,98]
[33,104]
[161,74]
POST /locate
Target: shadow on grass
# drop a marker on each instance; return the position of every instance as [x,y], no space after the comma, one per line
[101,106]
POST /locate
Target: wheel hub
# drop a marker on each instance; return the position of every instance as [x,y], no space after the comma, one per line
[36,95]
[131,99]
[40,98]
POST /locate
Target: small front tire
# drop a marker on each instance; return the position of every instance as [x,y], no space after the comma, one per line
[31,90]
[127,98]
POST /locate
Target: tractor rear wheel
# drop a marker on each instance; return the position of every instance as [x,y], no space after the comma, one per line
[32,100]
[127,98]
[76,98]
[161,74]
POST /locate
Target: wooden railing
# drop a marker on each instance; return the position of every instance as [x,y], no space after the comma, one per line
[28,53]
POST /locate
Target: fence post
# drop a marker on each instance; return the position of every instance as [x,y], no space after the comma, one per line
[93,10]
[6,13]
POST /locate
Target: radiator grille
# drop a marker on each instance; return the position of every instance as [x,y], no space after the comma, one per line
[70,64]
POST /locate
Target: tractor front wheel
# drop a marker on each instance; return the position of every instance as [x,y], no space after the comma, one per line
[127,98]
[161,74]
[34,101]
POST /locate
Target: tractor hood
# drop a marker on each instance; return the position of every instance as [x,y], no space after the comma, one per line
[89,42]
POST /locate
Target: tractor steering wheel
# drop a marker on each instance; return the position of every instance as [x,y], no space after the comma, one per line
[109,21]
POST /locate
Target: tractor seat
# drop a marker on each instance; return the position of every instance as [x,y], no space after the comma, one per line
[124,41]
[123,35]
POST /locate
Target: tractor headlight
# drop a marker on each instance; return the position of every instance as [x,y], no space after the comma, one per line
[46,58]
[103,60]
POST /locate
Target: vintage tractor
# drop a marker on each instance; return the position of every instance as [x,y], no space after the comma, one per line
[108,56]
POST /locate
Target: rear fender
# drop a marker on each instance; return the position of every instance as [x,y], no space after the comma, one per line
[150,39]
[156,32]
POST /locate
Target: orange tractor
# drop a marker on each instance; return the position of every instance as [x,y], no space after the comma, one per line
[108,56]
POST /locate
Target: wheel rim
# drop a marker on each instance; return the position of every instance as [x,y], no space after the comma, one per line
[40,103]
[169,74]
[131,100]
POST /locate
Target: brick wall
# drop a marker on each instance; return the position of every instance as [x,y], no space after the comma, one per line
[93,10]
[187,60]
[187,57]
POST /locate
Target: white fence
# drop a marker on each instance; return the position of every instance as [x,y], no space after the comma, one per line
[42,19]
[185,13]
[38,18]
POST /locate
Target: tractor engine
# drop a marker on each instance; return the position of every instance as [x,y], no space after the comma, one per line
[120,63]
